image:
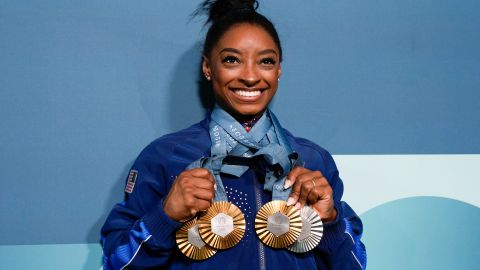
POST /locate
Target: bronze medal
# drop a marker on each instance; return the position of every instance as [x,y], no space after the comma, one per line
[222,226]
[278,225]
[312,231]
[191,244]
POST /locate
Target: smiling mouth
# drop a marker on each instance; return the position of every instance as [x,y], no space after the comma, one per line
[249,93]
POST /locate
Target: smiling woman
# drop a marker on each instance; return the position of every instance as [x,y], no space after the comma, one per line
[235,191]
[244,67]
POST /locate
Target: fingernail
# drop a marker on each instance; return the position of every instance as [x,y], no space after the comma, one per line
[298,206]
[290,201]
[287,184]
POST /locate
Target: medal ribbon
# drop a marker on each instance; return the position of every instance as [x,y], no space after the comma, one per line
[266,142]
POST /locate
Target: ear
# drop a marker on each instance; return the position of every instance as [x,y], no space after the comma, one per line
[207,71]
[279,71]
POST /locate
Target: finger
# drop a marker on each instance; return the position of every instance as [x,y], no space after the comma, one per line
[314,195]
[189,202]
[203,183]
[292,176]
[296,188]
[302,187]
[206,174]
[319,190]
[306,183]
[203,205]
[199,177]
[201,173]
[322,198]
[204,194]
[293,198]
[324,192]
[197,200]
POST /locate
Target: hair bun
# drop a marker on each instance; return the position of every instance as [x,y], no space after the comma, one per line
[219,8]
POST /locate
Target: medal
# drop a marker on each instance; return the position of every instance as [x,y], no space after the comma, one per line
[312,231]
[191,244]
[278,225]
[222,226]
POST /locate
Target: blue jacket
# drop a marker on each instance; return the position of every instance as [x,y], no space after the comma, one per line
[138,235]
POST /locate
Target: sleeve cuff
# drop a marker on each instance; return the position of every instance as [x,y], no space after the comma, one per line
[161,227]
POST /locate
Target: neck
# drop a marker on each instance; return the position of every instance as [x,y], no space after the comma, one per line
[245,119]
[248,121]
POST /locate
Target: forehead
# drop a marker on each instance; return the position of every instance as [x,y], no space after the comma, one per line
[246,36]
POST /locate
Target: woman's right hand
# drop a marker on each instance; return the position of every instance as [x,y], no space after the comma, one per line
[192,192]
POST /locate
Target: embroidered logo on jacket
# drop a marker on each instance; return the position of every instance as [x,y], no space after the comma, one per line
[132,177]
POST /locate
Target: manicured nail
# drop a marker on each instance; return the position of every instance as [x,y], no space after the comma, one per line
[290,201]
[287,184]
[298,206]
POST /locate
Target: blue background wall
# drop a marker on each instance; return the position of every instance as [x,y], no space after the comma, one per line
[391,88]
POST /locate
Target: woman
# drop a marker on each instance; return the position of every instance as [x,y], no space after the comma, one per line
[238,155]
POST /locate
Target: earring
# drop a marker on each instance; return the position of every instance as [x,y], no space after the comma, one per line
[207,77]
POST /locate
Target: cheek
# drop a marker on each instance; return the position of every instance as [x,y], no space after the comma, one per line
[224,75]
[221,79]
[271,77]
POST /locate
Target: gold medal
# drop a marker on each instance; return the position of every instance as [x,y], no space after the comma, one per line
[278,225]
[312,231]
[222,226]
[191,244]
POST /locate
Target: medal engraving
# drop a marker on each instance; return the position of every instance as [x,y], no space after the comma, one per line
[305,233]
[222,224]
[312,231]
[194,237]
[191,244]
[278,224]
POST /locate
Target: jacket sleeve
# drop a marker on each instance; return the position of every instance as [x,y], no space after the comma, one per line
[340,247]
[137,232]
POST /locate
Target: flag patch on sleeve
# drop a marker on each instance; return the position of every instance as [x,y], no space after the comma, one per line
[132,178]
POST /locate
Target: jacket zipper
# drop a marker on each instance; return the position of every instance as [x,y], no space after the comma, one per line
[261,248]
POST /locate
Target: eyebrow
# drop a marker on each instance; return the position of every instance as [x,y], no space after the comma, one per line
[229,50]
[267,51]
[233,50]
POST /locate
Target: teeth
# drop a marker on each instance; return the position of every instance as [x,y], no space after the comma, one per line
[248,93]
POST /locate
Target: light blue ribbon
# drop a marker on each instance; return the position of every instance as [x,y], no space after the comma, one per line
[265,141]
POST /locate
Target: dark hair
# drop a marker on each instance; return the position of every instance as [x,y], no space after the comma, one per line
[223,14]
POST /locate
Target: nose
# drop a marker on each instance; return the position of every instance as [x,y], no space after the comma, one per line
[250,75]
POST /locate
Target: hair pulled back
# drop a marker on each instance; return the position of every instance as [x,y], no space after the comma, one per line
[223,14]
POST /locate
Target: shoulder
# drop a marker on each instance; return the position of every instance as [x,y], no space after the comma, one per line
[314,156]
[304,144]
[185,145]
[194,136]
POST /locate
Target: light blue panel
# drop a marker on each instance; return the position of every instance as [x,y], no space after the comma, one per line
[51,257]
[422,233]
[393,176]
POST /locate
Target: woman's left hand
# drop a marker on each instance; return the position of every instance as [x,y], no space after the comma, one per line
[311,188]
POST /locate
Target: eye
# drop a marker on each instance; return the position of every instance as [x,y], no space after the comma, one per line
[268,61]
[230,60]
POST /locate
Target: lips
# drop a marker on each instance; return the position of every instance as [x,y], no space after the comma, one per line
[244,93]
[247,94]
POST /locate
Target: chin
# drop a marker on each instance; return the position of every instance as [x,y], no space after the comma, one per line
[248,111]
